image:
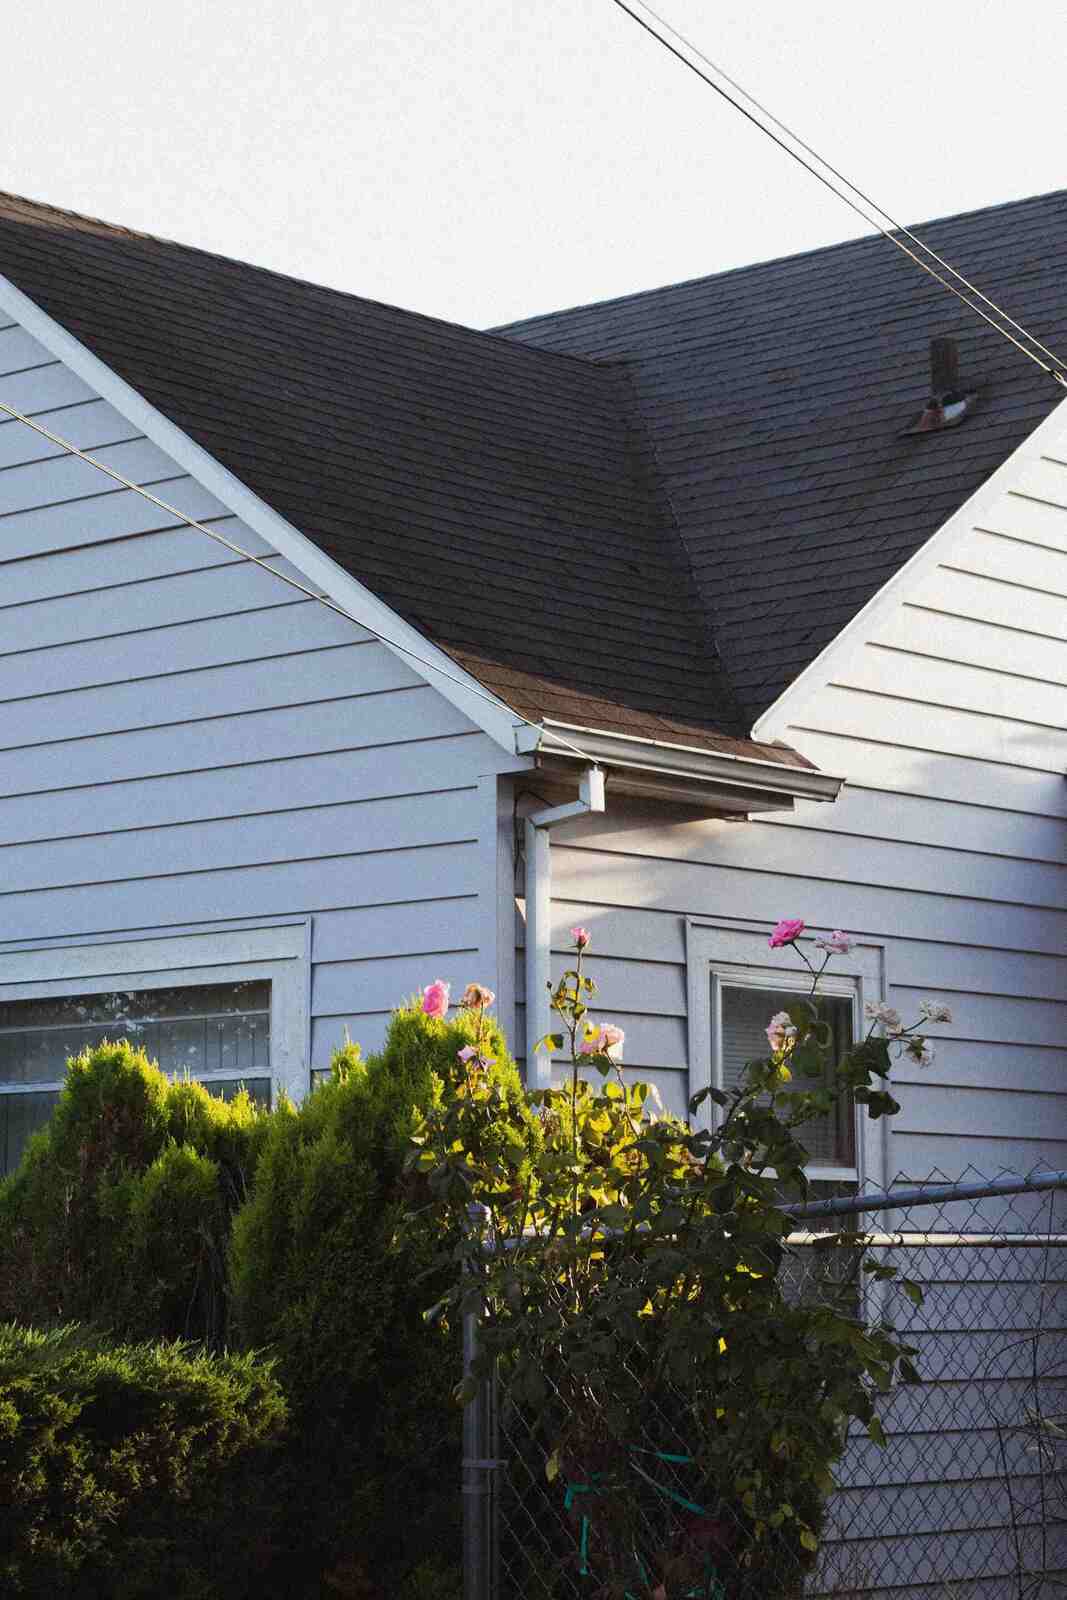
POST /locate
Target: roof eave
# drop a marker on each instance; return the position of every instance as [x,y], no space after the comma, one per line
[659,768]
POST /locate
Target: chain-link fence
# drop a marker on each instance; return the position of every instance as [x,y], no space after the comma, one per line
[967,1500]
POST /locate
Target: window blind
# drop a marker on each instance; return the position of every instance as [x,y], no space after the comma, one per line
[745,1015]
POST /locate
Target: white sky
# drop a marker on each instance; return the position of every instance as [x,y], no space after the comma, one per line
[487,159]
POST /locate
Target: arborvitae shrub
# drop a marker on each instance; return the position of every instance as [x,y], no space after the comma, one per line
[136,1211]
[319,1278]
[130,1472]
[119,1213]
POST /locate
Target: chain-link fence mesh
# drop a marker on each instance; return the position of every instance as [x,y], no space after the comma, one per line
[967,1500]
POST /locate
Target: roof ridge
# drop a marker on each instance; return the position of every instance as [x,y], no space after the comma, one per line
[501,328]
[347,295]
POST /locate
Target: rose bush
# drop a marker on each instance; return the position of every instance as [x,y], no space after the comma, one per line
[627,1272]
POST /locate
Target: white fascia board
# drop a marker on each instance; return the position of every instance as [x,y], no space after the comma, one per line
[789,706]
[660,757]
[467,695]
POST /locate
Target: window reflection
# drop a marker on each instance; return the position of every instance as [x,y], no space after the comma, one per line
[216,1032]
[205,1028]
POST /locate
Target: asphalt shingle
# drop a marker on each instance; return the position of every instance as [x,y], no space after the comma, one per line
[503,500]
[646,515]
[776,399]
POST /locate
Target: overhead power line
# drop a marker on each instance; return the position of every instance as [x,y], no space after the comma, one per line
[1058,371]
[898,226]
[294,583]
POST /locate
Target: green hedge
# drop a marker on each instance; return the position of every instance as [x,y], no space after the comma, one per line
[129,1472]
[150,1210]
[319,1278]
[120,1211]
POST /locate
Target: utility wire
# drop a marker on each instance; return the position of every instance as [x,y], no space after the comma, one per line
[1053,372]
[898,226]
[294,583]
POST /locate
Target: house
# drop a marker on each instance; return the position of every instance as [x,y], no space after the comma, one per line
[678,566]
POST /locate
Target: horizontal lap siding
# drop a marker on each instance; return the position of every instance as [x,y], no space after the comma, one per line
[185,739]
[995,1094]
[988,1323]
[948,845]
[950,723]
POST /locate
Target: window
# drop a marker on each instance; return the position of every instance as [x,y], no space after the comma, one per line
[736,984]
[227,1007]
[743,1015]
[218,1033]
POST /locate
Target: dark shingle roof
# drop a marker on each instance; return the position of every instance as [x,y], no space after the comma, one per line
[504,500]
[645,516]
[776,395]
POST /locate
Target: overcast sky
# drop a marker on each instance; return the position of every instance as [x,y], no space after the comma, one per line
[487,159]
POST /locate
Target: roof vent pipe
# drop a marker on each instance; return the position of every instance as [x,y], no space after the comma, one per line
[944,367]
[947,404]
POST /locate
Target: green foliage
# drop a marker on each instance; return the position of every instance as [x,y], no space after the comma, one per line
[130,1471]
[319,1278]
[635,1299]
[119,1213]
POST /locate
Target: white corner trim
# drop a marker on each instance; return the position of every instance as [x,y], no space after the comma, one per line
[787,708]
[467,695]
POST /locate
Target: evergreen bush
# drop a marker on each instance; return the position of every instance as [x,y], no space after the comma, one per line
[128,1472]
[319,1278]
[150,1210]
[119,1213]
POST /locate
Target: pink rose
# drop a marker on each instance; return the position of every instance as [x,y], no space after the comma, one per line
[889,1017]
[580,937]
[920,1050]
[477,997]
[786,932]
[780,1030]
[838,942]
[435,998]
[607,1041]
[470,1053]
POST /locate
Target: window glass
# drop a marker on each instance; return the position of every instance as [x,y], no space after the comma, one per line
[21,1115]
[746,1012]
[204,1028]
[219,1033]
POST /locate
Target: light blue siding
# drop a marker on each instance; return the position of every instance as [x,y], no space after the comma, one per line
[184,740]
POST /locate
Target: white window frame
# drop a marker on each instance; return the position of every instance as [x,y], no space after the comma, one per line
[278,951]
[729,953]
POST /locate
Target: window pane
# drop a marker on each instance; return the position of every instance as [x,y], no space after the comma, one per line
[21,1115]
[745,1015]
[226,1088]
[201,1028]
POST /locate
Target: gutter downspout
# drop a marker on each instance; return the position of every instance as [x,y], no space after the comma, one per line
[539,917]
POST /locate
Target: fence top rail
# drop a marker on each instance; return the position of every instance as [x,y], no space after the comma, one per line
[937,1241]
[925,1194]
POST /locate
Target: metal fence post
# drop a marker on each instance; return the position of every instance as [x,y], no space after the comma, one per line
[480,1541]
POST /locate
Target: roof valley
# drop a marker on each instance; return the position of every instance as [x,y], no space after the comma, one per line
[722,701]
